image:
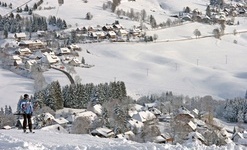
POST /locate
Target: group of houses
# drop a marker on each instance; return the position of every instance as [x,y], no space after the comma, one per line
[214,14]
[185,125]
[112,32]
[23,53]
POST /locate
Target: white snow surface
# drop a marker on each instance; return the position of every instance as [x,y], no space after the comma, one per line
[44,140]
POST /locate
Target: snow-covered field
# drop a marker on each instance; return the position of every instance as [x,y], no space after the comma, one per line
[49,140]
[195,67]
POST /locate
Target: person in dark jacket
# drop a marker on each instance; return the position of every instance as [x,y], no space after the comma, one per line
[25,107]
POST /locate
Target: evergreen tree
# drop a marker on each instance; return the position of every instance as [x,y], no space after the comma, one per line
[35,6]
[10,110]
[57,94]
[10,6]
[1,111]
[26,8]
[30,12]
[6,111]
[143,14]
[5,33]
[208,11]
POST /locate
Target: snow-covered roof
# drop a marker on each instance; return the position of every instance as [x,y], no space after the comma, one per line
[196,111]
[183,110]
[159,139]
[24,50]
[118,26]
[48,116]
[31,42]
[135,123]
[192,125]
[51,58]
[7,127]
[238,134]
[122,31]
[97,109]
[61,120]
[137,107]
[125,135]
[55,128]
[103,131]
[144,116]
[15,57]
[193,135]
[150,105]
[36,54]
[91,115]
[132,112]
[100,33]
[64,50]
[20,35]
[75,60]
[74,46]
[112,33]
[31,62]
[155,111]
[199,122]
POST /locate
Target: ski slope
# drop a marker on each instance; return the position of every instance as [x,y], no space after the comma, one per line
[50,140]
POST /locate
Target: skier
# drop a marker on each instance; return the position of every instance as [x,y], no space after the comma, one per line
[26,109]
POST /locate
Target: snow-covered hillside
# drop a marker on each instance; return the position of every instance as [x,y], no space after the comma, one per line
[47,140]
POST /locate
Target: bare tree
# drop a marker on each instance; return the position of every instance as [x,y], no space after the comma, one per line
[216,33]
[39,79]
[81,125]
[197,33]
[155,37]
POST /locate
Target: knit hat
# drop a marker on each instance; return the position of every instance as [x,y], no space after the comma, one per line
[26,95]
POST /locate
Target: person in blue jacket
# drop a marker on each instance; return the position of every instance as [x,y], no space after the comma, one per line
[26,109]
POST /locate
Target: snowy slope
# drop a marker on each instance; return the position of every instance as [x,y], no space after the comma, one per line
[45,140]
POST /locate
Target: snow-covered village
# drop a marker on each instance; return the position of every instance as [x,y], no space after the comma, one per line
[123,74]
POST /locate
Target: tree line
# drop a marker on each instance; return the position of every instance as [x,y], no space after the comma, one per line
[79,95]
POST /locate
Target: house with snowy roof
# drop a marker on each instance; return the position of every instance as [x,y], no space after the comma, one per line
[61,121]
[123,33]
[74,47]
[184,115]
[196,136]
[63,51]
[97,109]
[103,132]
[24,51]
[29,63]
[236,136]
[50,58]
[74,62]
[20,36]
[89,114]
[163,138]
[133,124]
[126,135]
[32,44]
[15,60]
[55,128]
[36,55]
[111,35]
[144,116]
